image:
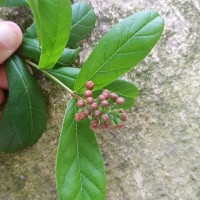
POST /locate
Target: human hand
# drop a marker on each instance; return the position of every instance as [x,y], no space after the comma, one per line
[10,40]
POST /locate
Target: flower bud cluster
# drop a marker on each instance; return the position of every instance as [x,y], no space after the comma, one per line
[101,111]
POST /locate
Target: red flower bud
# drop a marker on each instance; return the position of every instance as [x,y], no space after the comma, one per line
[79,116]
[105,103]
[80,103]
[94,123]
[120,101]
[89,85]
[97,113]
[87,112]
[113,96]
[101,97]
[89,100]
[87,93]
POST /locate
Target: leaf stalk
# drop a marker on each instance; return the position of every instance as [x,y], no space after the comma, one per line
[73,93]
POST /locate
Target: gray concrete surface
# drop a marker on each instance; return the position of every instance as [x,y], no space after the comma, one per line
[157,157]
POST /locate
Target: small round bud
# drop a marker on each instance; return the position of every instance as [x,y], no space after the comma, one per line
[97,113]
[124,117]
[120,101]
[113,96]
[89,85]
[79,116]
[105,103]
[89,100]
[101,97]
[87,112]
[105,118]
[87,93]
[94,123]
[94,106]
[80,103]
[106,94]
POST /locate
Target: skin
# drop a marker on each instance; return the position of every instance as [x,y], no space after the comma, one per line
[10,40]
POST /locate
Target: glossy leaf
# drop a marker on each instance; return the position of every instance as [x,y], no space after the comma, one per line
[24,119]
[30,48]
[122,48]
[129,91]
[83,22]
[80,171]
[11,3]
[31,32]
[53,22]
[66,75]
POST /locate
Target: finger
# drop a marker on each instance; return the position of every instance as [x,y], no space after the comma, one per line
[2,97]
[3,77]
[10,39]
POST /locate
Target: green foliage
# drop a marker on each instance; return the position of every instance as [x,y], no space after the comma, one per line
[10,3]
[31,49]
[80,171]
[66,75]
[24,119]
[122,48]
[53,21]
[83,22]
[31,32]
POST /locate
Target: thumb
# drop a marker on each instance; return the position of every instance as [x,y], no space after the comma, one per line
[10,39]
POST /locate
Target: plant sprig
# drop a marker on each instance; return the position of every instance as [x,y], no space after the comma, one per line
[99,97]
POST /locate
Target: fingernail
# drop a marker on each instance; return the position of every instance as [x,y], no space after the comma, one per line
[8,37]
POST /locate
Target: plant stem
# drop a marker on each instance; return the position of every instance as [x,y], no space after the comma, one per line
[54,79]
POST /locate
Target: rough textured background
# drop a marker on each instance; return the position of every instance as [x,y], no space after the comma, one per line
[158,155]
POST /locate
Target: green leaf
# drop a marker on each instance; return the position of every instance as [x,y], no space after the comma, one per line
[122,48]
[53,22]
[30,48]
[67,75]
[83,22]
[31,32]
[24,119]
[11,3]
[80,171]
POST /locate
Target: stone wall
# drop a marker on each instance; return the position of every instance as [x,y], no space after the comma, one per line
[157,155]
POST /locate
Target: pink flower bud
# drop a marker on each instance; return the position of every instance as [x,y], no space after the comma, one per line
[87,112]
[94,123]
[101,97]
[89,85]
[105,117]
[89,100]
[120,101]
[105,103]
[80,103]
[113,96]
[87,93]
[97,113]
[106,94]
[94,106]
[79,116]
[124,117]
